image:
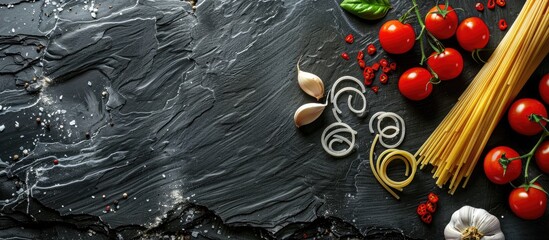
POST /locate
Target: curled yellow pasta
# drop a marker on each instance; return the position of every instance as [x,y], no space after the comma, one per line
[383,161]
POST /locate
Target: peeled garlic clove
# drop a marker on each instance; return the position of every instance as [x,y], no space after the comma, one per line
[310,83]
[307,113]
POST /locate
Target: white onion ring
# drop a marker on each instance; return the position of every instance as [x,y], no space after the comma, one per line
[399,128]
[335,95]
[327,143]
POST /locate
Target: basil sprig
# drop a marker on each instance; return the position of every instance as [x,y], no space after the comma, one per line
[367,9]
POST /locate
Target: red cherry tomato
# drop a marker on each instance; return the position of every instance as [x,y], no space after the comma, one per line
[447,65]
[519,113]
[415,84]
[542,156]
[396,37]
[494,170]
[528,204]
[472,33]
[544,88]
[441,23]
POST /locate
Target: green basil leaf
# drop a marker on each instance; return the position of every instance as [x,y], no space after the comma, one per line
[367,9]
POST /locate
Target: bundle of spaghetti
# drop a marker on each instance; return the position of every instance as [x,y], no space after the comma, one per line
[455,146]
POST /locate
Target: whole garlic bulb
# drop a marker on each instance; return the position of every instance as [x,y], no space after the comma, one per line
[469,223]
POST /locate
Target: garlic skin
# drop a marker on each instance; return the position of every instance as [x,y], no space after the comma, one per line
[308,113]
[476,223]
[310,83]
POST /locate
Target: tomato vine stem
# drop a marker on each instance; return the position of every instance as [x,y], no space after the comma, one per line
[424,35]
[545,133]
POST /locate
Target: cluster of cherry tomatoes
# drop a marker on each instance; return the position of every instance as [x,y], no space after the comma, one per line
[441,22]
[503,164]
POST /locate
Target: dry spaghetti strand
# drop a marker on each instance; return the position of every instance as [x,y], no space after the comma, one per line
[454,148]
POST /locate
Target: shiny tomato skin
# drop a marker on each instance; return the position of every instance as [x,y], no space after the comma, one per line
[544,88]
[518,116]
[494,170]
[415,83]
[447,65]
[542,156]
[442,27]
[528,205]
[472,33]
[396,37]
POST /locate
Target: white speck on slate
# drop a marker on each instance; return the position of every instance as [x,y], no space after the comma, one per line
[2,127]
[72,123]
[16,124]
[89,83]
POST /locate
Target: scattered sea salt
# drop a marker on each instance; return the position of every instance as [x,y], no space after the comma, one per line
[16,124]
[89,83]
[61,97]
[2,127]
[72,123]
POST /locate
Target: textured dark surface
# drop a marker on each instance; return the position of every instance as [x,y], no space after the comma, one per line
[197,128]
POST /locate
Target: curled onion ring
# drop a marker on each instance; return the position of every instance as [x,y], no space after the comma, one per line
[398,128]
[329,137]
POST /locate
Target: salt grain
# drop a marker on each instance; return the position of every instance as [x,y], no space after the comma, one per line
[72,123]
[89,83]
[2,127]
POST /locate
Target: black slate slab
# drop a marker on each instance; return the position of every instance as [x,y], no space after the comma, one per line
[190,114]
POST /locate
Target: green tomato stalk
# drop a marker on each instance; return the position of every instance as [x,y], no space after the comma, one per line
[505,161]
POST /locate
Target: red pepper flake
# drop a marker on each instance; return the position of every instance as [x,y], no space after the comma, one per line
[360,55]
[502,24]
[375,66]
[371,49]
[368,75]
[432,197]
[107,208]
[383,78]
[384,62]
[369,70]
[491,4]
[479,7]
[427,218]
[55,161]
[500,3]
[393,66]
[421,209]
[375,89]
[349,38]
[345,56]
[386,69]
[361,63]
[367,79]
[431,207]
